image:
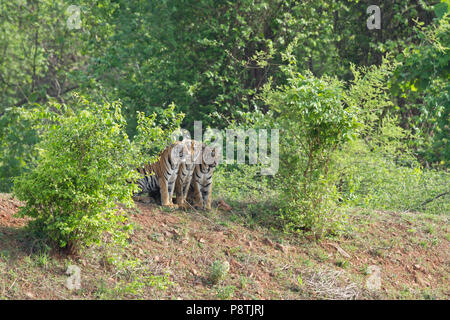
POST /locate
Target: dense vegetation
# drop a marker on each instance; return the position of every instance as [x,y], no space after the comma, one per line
[363,114]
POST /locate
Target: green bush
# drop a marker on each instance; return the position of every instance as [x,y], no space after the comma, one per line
[313,122]
[79,177]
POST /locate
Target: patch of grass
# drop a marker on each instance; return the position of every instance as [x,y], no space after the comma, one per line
[42,260]
[218,271]
[5,254]
[320,254]
[342,263]
[243,282]
[225,292]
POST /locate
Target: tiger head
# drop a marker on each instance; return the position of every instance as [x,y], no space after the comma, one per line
[210,155]
[180,152]
[195,150]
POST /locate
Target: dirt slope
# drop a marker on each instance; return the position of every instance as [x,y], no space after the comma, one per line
[410,250]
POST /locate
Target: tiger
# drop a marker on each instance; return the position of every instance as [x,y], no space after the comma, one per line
[159,177]
[201,184]
[186,171]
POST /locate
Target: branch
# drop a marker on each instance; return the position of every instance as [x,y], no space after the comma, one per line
[23,101]
[432,199]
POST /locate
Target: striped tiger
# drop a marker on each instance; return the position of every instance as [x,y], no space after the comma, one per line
[186,171]
[159,177]
[201,184]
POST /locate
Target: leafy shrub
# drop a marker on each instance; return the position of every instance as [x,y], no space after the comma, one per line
[79,177]
[218,271]
[313,122]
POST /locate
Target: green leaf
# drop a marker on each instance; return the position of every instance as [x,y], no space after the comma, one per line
[440,9]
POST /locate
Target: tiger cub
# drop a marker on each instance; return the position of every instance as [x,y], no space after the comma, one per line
[186,171]
[159,177]
[201,184]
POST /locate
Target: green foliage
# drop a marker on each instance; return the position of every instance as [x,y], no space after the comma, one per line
[313,122]
[379,169]
[155,134]
[371,178]
[213,58]
[135,277]
[38,52]
[422,81]
[226,292]
[218,271]
[241,183]
[79,176]
[18,138]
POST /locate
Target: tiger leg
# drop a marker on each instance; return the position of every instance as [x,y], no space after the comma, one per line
[198,200]
[184,194]
[179,193]
[208,199]
[165,198]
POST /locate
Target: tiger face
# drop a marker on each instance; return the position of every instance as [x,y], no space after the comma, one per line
[180,153]
[210,156]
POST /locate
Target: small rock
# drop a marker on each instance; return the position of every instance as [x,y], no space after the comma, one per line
[156,259]
[29,295]
[417,267]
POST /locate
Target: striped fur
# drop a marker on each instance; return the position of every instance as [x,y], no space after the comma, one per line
[186,171]
[159,177]
[201,184]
